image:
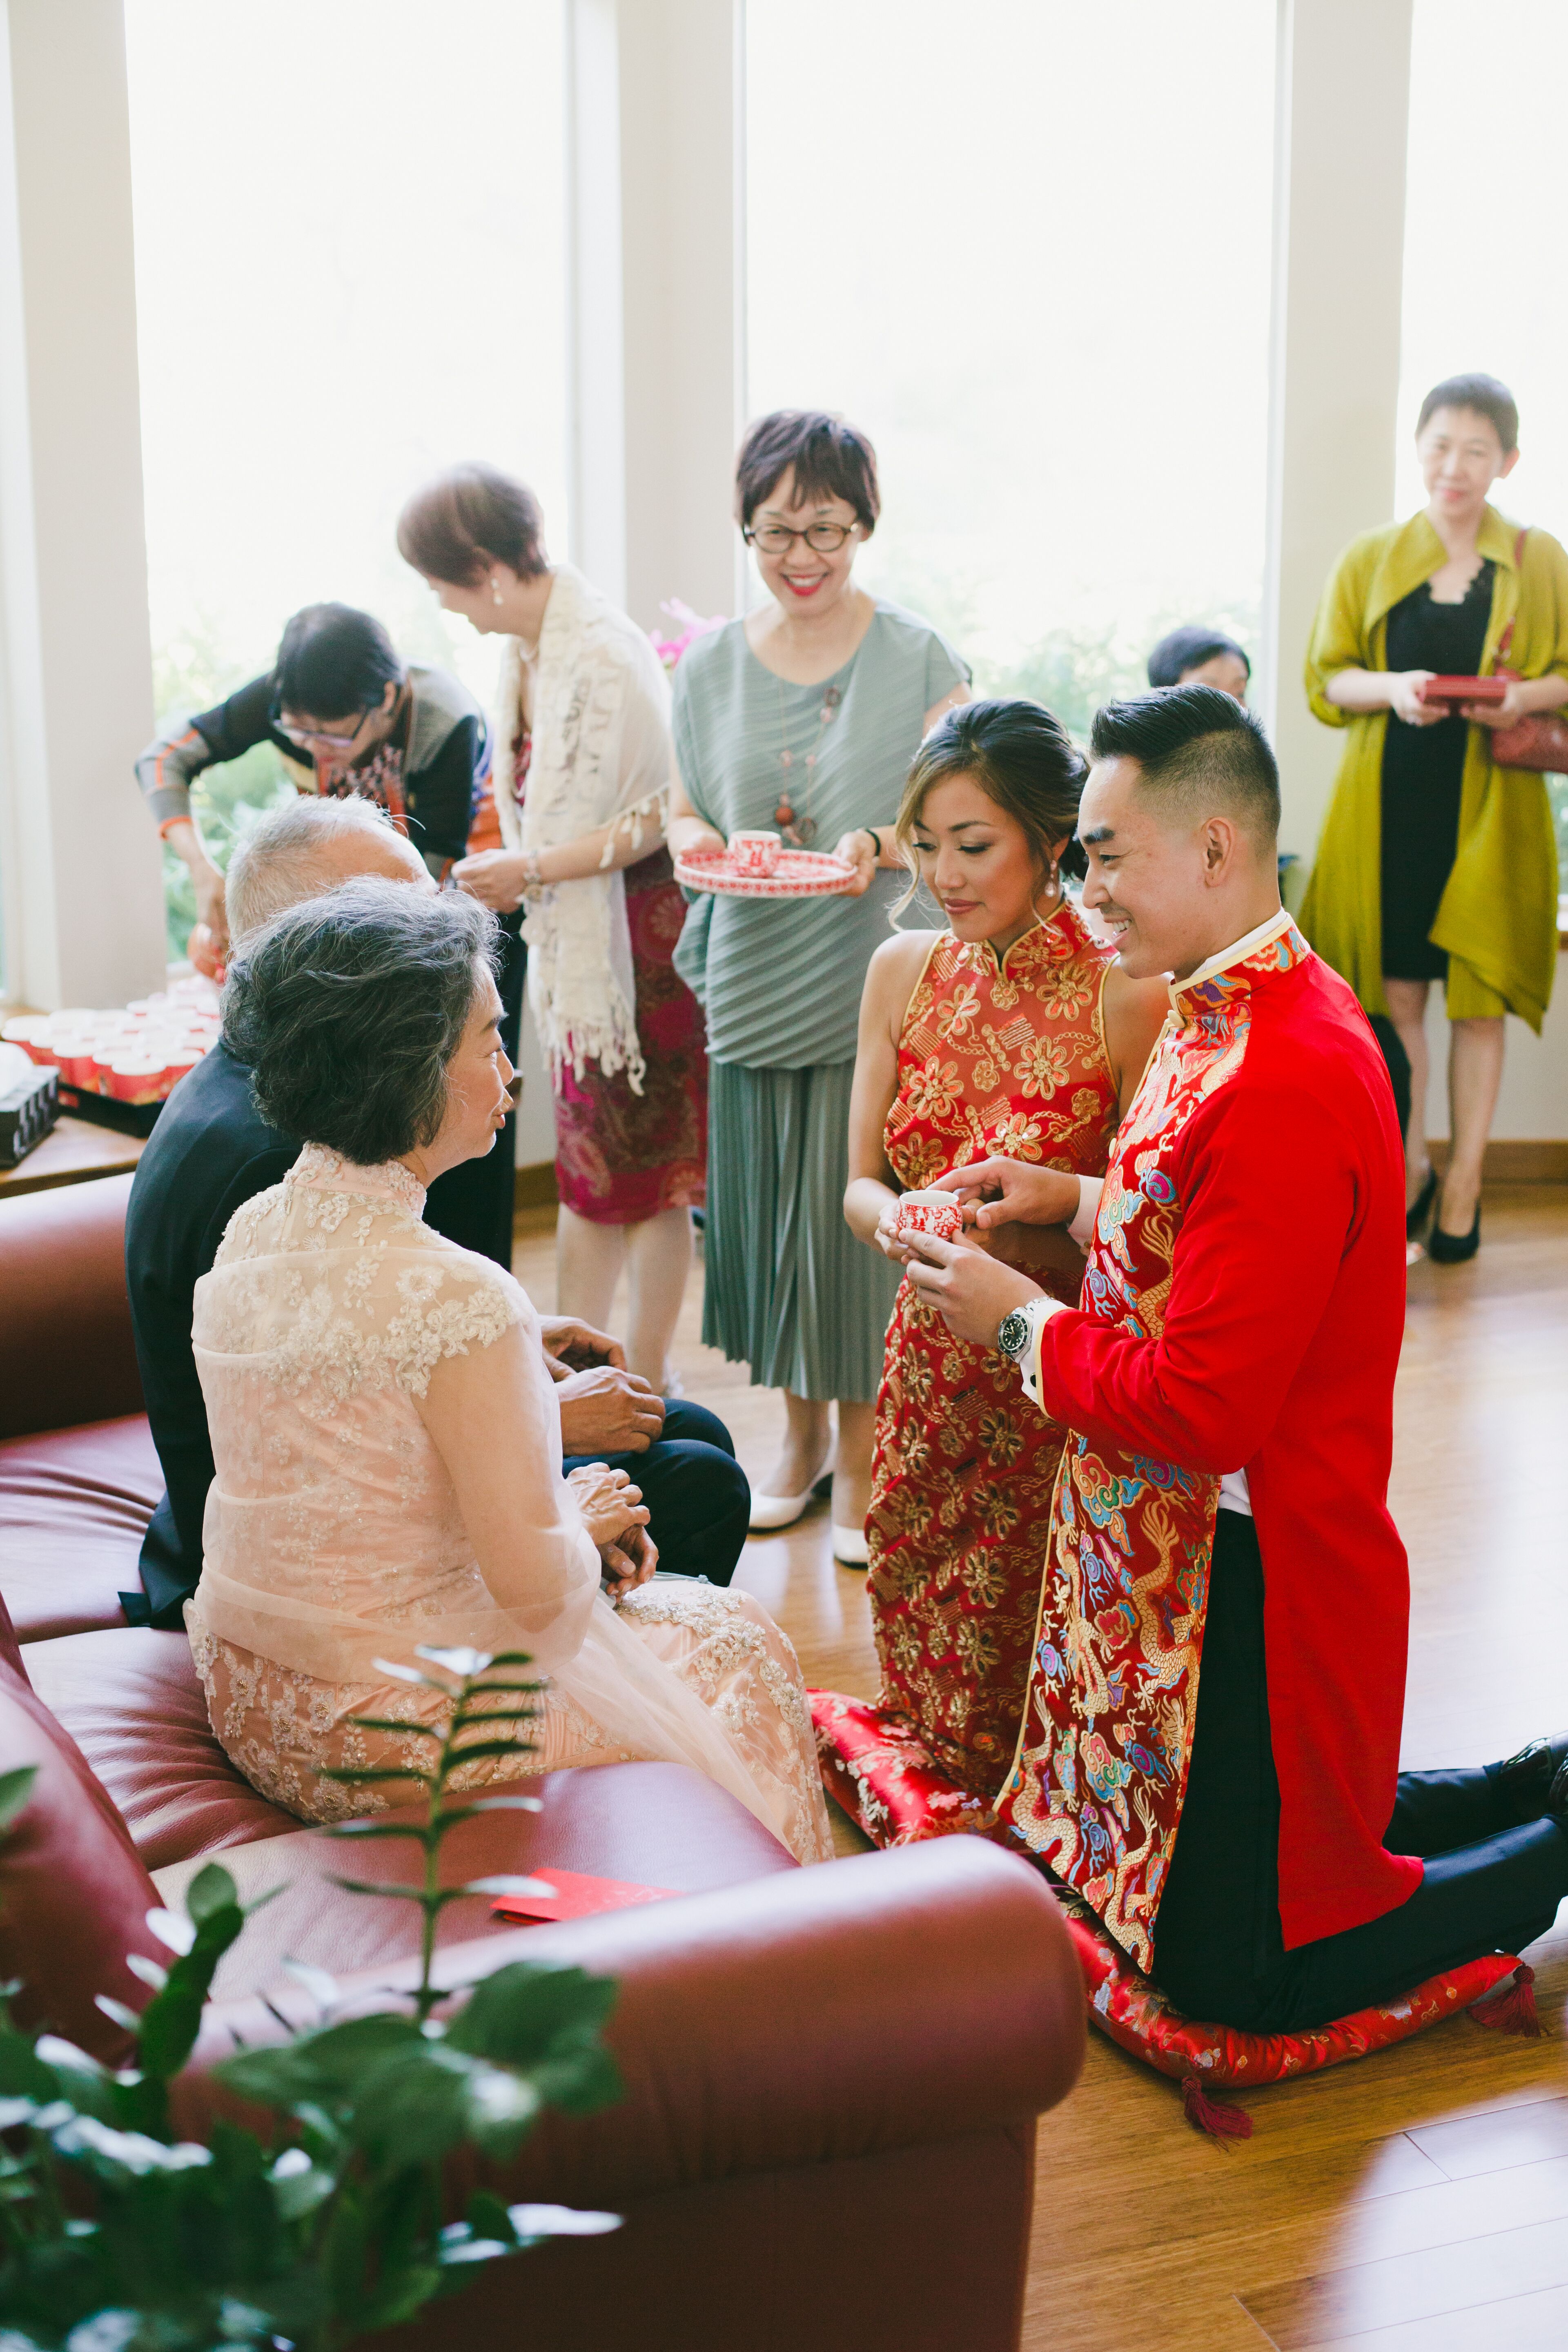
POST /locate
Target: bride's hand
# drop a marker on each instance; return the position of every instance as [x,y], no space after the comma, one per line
[611,1506]
[627,1563]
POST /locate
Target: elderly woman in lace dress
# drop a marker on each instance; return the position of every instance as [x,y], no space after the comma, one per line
[387,1440]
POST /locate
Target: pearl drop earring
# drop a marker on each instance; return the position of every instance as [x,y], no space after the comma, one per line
[495,590]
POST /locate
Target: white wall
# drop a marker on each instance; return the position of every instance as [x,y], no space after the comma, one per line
[84,905]
[1339,147]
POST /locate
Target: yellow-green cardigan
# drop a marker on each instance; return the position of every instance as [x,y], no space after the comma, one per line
[1497,918]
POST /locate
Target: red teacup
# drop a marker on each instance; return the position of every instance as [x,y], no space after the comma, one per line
[755,853]
[941,1213]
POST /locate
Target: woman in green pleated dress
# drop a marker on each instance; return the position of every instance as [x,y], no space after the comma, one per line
[800,718]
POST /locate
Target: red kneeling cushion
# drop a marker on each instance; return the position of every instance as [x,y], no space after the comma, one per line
[876,1769]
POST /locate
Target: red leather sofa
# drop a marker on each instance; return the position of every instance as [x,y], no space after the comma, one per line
[833,2075]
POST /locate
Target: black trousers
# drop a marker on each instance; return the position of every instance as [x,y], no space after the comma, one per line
[1492,1882]
[474,1204]
[698,1496]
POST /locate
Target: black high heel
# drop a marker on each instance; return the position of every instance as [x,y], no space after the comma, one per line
[1420,1209]
[1454,1249]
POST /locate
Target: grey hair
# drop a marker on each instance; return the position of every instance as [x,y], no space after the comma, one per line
[285,858]
[349,1008]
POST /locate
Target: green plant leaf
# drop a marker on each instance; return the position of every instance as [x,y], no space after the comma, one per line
[353,1775]
[511,1658]
[487,2218]
[532,2223]
[210,1891]
[490,1805]
[15,1788]
[523,2015]
[489,1748]
[402,1730]
[507,1886]
[376,1829]
[463,1665]
[387,1888]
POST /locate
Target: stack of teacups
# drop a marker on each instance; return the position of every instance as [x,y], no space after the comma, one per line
[137,1055]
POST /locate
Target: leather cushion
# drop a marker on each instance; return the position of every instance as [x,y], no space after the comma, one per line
[74,1506]
[74,1896]
[69,1356]
[653,1825]
[132,1701]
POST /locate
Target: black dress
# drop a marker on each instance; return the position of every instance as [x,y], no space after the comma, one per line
[1423,771]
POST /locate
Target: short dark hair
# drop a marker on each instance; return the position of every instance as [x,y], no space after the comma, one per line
[1192,742]
[1021,757]
[1189,648]
[1484,395]
[332,660]
[831,460]
[469,518]
[348,1009]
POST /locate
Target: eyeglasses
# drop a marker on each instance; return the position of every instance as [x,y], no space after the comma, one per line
[306,738]
[821,538]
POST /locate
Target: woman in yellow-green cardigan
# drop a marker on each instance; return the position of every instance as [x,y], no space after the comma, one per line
[1435,861]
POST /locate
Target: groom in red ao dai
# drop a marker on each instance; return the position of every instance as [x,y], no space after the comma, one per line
[1228,1380]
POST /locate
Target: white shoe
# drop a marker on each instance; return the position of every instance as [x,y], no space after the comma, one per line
[777,1510]
[850,1547]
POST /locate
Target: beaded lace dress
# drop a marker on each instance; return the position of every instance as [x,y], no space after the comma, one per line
[335,1535]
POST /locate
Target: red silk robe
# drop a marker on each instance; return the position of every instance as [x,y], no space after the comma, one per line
[1242,1309]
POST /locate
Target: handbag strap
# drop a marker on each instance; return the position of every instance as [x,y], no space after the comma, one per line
[1505,643]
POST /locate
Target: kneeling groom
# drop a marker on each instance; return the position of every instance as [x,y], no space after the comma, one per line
[1210,1746]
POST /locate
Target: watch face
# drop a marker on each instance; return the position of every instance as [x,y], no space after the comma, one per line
[1014,1335]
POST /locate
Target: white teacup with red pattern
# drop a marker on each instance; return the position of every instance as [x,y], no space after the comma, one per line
[941,1213]
[755,853]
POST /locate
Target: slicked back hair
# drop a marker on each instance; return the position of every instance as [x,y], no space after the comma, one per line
[1195,746]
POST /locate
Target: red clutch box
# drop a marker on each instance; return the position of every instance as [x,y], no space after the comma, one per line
[1458,690]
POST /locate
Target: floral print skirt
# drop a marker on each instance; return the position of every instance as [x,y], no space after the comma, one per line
[960,1497]
[620,1156]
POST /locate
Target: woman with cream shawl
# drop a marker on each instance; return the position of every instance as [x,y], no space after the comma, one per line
[582,768]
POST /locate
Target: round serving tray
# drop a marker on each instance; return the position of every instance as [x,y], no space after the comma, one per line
[799,874]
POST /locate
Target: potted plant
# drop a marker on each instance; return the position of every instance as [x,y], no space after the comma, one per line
[117,2237]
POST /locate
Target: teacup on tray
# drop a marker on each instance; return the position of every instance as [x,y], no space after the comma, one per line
[755,853]
[941,1213]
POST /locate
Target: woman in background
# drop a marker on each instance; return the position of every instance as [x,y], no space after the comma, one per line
[801,720]
[345,715]
[1200,656]
[1437,863]
[1013,1033]
[583,771]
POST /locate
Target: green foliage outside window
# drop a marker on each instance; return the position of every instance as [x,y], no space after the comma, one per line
[189,674]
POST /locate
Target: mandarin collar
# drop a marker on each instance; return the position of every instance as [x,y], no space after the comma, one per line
[1199,993]
[330,1172]
[1039,944]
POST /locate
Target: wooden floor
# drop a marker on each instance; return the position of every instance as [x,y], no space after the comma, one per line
[1416,2201]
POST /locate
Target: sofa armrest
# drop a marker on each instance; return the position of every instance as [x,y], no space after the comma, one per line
[839,2011]
[69,1354]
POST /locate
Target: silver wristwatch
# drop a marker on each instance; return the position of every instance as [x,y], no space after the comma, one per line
[1013,1338]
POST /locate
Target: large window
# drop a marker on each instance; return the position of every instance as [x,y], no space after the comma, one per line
[1480,272]
[1028,247]
[349,253]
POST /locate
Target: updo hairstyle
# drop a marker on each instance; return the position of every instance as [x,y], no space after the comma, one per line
[465,519]
[1022,758]
[349,1008]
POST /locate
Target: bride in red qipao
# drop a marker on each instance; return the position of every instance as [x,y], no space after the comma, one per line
[1009,1033]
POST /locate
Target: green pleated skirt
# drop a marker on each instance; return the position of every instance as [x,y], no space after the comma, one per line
[789,1291]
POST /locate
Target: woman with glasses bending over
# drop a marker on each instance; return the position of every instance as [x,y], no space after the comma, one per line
[347,717]
[800,718]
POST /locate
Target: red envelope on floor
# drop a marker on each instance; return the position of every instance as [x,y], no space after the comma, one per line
[576,1895]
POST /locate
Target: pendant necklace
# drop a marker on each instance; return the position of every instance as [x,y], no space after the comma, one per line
[800,830]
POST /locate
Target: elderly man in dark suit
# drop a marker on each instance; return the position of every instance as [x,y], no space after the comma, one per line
[211,1150]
